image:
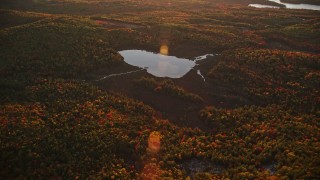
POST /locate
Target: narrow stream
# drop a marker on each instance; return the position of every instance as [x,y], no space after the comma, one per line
[199,73]
[199,58]
[120,74]
[262,6]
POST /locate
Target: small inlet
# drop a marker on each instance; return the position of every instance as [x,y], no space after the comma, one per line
[199,73]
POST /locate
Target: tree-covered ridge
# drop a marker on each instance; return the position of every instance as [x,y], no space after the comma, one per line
[54,123]
[167,87]
[271,136]
[69,129]
[74,129]
[272,76]
[12,18]
[55,47]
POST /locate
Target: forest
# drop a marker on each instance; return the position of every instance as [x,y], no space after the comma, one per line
[71,107]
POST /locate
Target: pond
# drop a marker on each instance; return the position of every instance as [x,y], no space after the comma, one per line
[262,6]
[160,65]
[288,5]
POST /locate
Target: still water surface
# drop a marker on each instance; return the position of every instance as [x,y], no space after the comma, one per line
[262,6]
[157,64]
[288,5]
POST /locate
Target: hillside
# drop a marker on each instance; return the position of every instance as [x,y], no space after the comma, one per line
[72,108]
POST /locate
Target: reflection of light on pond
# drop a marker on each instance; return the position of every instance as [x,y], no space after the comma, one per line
[263,6]
[164,50]
[158,64]
[161,65]
[298,6]
[288,5]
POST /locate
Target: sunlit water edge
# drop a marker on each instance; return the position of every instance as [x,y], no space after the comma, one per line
[160,65]
[157,64]
[263,6]
[288,6]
